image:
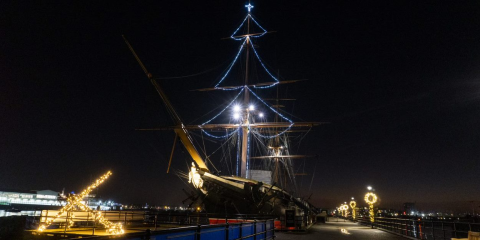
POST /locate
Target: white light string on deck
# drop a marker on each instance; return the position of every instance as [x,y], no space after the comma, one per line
[275,111]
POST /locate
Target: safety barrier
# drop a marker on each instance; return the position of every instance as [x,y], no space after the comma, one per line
[256,230]
[424,229]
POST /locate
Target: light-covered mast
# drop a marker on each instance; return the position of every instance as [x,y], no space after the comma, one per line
[246,100]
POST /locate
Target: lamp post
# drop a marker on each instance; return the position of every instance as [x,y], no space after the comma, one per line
[353,204]
[371,198]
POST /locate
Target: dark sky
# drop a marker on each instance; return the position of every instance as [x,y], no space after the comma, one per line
[397,80]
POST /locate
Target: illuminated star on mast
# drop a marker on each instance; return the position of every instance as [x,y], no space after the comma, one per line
[249,6]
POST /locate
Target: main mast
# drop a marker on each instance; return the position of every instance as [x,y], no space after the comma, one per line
[246,99]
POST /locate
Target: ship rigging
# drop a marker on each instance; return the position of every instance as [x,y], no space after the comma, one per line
[255,139]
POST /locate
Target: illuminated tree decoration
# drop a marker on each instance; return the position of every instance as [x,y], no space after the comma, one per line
[74,202]
[353,204]
[371,199]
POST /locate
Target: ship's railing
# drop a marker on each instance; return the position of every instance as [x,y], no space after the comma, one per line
[423,229]
[129,219]
[140,221]
[255,230]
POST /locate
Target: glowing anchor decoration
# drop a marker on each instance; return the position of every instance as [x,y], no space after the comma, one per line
[75,202]
[345,210]
[353,204]
[371,199]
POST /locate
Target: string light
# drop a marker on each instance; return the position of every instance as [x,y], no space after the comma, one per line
[264,67]
[353,204]
[223,110]
[264,31]
[248,152]
[244,20]
[371,198]
[232,36]
[230,67]
[279,114]
[238,155]
[220,137]
[344,207]
[75,201]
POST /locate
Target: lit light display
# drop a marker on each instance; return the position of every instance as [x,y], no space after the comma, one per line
[371,199]
[353,204]
[273,110]
[228,134]
[75,202]
[345,210]
[247,42]
[249,6]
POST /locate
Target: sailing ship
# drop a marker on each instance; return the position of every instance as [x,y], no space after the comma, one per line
[254,141]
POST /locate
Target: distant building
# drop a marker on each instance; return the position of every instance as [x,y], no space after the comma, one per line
[21,202]
[33,197]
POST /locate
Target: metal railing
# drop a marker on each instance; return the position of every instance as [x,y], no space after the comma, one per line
[157,222]
[256,230]
[423,229]
[129,219]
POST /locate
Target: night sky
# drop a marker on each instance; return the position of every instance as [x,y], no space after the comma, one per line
[398,81]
